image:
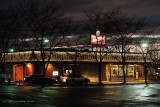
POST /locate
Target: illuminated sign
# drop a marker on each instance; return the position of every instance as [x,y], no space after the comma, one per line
[55,73]
[100,39]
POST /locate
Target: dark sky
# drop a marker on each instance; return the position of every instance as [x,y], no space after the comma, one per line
[139,8]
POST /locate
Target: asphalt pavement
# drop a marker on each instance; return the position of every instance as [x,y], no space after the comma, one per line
[131,95]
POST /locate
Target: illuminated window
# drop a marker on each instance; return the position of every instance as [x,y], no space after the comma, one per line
[68,71]
[55,73]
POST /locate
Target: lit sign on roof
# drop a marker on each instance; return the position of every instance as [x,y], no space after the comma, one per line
[100,40]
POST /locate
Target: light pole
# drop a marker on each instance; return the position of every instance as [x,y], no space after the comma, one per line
[45,42]
[11,50]
[144,48]
[99,48]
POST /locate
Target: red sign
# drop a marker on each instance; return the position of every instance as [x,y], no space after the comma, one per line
[100,40]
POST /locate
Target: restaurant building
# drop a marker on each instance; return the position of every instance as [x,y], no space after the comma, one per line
[22,63]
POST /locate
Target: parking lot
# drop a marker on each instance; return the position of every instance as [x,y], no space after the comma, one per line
[138,95]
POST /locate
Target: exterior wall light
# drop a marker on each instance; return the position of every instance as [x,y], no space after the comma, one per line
[28,65]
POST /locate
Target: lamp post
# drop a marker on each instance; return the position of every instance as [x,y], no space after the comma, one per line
[144,47]
[11,50]
[43,56]
[99,48]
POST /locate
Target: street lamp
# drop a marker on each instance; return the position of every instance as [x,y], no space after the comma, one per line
[45,40]
[144,47]
[11,50]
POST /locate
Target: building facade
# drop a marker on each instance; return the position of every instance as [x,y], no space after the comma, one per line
[21,64]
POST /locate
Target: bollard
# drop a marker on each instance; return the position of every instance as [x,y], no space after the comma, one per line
[19,82]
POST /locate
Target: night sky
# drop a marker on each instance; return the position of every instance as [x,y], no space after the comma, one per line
[138,8]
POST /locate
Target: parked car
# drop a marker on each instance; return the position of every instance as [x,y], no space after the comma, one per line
[38,79]
[74,79]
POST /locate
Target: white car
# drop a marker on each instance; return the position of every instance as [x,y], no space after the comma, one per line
[74,79]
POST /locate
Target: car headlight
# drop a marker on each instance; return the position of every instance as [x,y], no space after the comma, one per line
[64,79]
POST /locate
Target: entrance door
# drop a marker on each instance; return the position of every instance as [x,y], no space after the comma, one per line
[18,72]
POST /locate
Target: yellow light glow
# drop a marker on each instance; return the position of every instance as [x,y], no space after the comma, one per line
[28,65]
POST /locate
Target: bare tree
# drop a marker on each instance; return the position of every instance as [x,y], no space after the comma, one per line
[10,25]
[118,27]
[76,48]
[93,19]
[147,45]
[94,24]
[122,30]
[45,28]
[100,53]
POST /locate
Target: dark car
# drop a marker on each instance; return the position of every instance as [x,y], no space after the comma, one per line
[74,79]
[38,79]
